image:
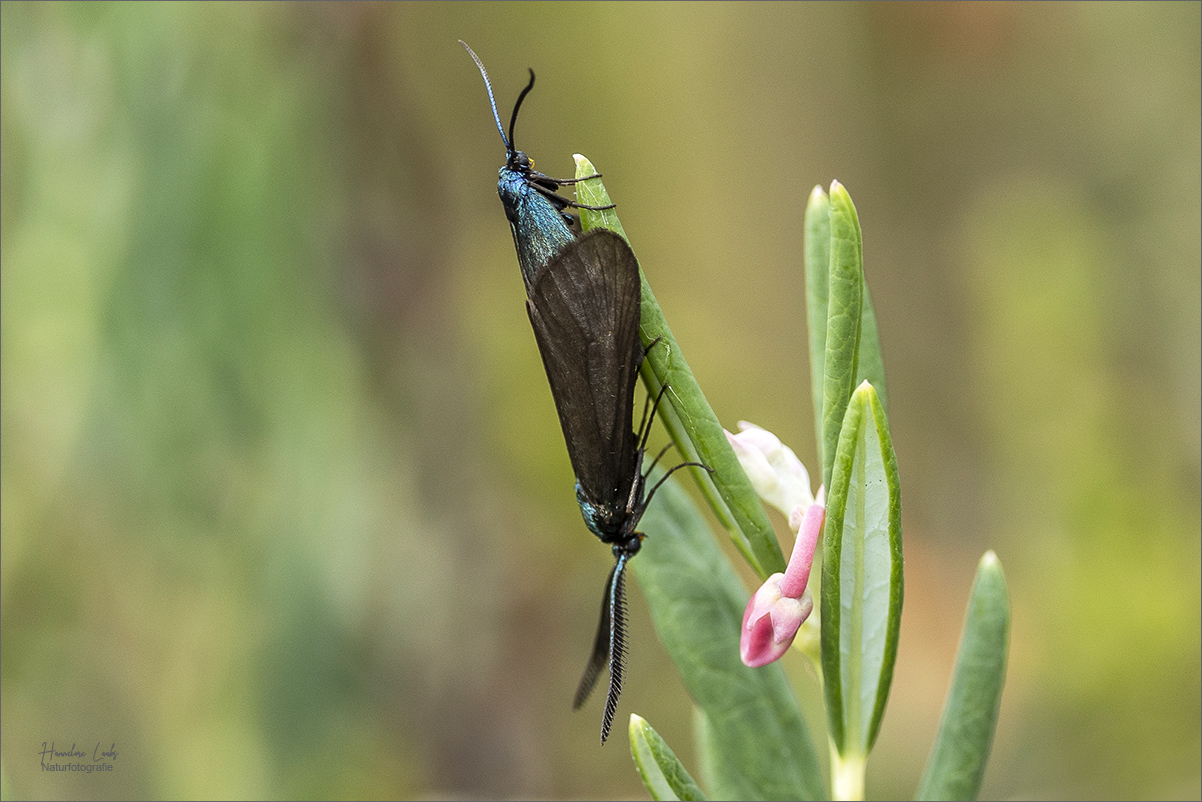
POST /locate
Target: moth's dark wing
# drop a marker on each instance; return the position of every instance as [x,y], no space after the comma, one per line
[584,307]
[600,655]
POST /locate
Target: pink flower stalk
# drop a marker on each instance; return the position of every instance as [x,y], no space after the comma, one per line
[781,605]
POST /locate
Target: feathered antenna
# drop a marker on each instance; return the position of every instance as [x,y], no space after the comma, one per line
[617,643]
[609,646]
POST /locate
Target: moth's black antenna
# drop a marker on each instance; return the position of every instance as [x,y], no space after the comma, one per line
[518,105]
[488,85]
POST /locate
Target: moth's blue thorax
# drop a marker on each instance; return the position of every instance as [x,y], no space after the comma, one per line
[539,230]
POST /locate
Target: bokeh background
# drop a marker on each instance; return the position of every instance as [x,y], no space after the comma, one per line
[286,508]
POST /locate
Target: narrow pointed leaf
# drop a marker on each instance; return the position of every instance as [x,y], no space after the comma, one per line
[817,266]
[862,576]
[844,309]
[664,776]
[690,421]
[957,762]
[870,365]
[697,602]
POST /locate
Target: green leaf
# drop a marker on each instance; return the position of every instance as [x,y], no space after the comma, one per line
[870,365]
[663,774]
[709,757]
[718,772]
[862,576]
[697,602]
[817,267]
[961,750]
[844,310]
[690,421]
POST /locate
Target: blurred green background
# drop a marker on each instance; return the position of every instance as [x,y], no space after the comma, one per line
[286,508]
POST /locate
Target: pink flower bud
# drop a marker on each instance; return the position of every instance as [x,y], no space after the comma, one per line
[771,622]
[781,605]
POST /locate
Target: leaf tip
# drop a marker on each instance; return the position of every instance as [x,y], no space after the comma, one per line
[989,569]
[584,167]
[840,198]
[865,391]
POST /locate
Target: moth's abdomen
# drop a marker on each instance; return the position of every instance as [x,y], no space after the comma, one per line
[605,521]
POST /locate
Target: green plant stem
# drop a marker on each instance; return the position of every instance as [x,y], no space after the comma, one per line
[847,775]
[688,417]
